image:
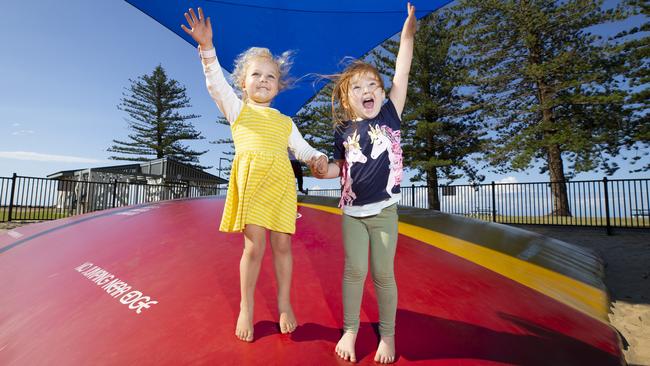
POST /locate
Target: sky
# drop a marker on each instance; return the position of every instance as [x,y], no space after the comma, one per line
[62,77]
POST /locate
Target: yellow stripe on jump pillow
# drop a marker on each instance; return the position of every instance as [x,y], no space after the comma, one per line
[576,294]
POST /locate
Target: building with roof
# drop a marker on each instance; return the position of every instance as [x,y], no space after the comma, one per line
[91,189]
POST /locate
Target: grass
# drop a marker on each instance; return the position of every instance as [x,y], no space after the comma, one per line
[32,213]
[639,221]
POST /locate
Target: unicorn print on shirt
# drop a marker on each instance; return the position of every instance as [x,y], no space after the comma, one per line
[353,155]
[385,139]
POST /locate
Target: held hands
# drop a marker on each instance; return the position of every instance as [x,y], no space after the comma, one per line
[410,24]
[200,29]
[318,166]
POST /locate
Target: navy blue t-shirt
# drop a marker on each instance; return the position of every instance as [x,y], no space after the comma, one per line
[372,171]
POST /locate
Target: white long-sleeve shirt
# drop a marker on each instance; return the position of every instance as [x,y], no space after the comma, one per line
[230,105]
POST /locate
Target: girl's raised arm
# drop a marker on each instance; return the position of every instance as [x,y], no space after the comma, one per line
[403,62]
[200,30]
[221,92]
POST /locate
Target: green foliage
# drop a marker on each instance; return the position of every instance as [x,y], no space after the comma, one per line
[634,58]
[521,82]
[314,121]
[153,103]
[230,145]
[440,130]
[550,85]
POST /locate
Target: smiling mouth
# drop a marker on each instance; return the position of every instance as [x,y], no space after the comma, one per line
[368,103]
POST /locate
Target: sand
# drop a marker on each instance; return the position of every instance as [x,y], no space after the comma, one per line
[627,276]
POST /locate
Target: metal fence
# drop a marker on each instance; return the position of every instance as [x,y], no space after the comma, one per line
[35,199]
[621,203]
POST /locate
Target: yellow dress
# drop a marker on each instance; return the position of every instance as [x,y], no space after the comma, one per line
[262,188]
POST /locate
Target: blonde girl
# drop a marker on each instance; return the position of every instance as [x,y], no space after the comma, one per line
[368,158]
[261,176]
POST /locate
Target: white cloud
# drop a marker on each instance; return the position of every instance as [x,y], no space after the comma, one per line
[15,124]
[507,180]
[33,156]
[315,187]
[22,132]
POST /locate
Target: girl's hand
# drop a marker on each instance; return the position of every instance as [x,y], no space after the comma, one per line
[313,168]
[200,29]
[410,25]
[318,166]
[321,165]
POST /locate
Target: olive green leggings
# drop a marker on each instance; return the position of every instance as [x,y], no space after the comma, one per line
[381,231]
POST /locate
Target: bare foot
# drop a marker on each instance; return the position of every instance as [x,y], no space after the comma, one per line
[386,350]
[288,322]
[244,330]
[345,347]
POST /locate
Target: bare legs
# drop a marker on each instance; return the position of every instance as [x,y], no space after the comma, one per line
[249,270]
[283,263]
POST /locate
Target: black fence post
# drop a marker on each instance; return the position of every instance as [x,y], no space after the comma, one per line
[11,200]
[114,192]
[413,195]
[494,202]
[608,227]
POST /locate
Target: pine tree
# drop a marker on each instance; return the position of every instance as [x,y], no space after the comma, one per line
[441,132]
[550,86]
[230,153]
[153,103]
[634,56]
[314,121]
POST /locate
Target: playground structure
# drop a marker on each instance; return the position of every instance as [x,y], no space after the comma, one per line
[158,284]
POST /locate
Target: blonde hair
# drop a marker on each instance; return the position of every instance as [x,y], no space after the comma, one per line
[283,62]
[341,110]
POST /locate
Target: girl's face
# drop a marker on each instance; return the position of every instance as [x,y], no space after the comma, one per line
[365,95]
[261,84]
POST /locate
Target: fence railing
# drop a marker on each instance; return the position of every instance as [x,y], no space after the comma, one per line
[35,199]
[621,203]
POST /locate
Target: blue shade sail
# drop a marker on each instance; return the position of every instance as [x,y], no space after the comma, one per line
[321,33]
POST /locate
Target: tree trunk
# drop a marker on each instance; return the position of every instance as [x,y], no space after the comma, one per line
[432,189]
[545,95]
[554,158]
[558,183]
